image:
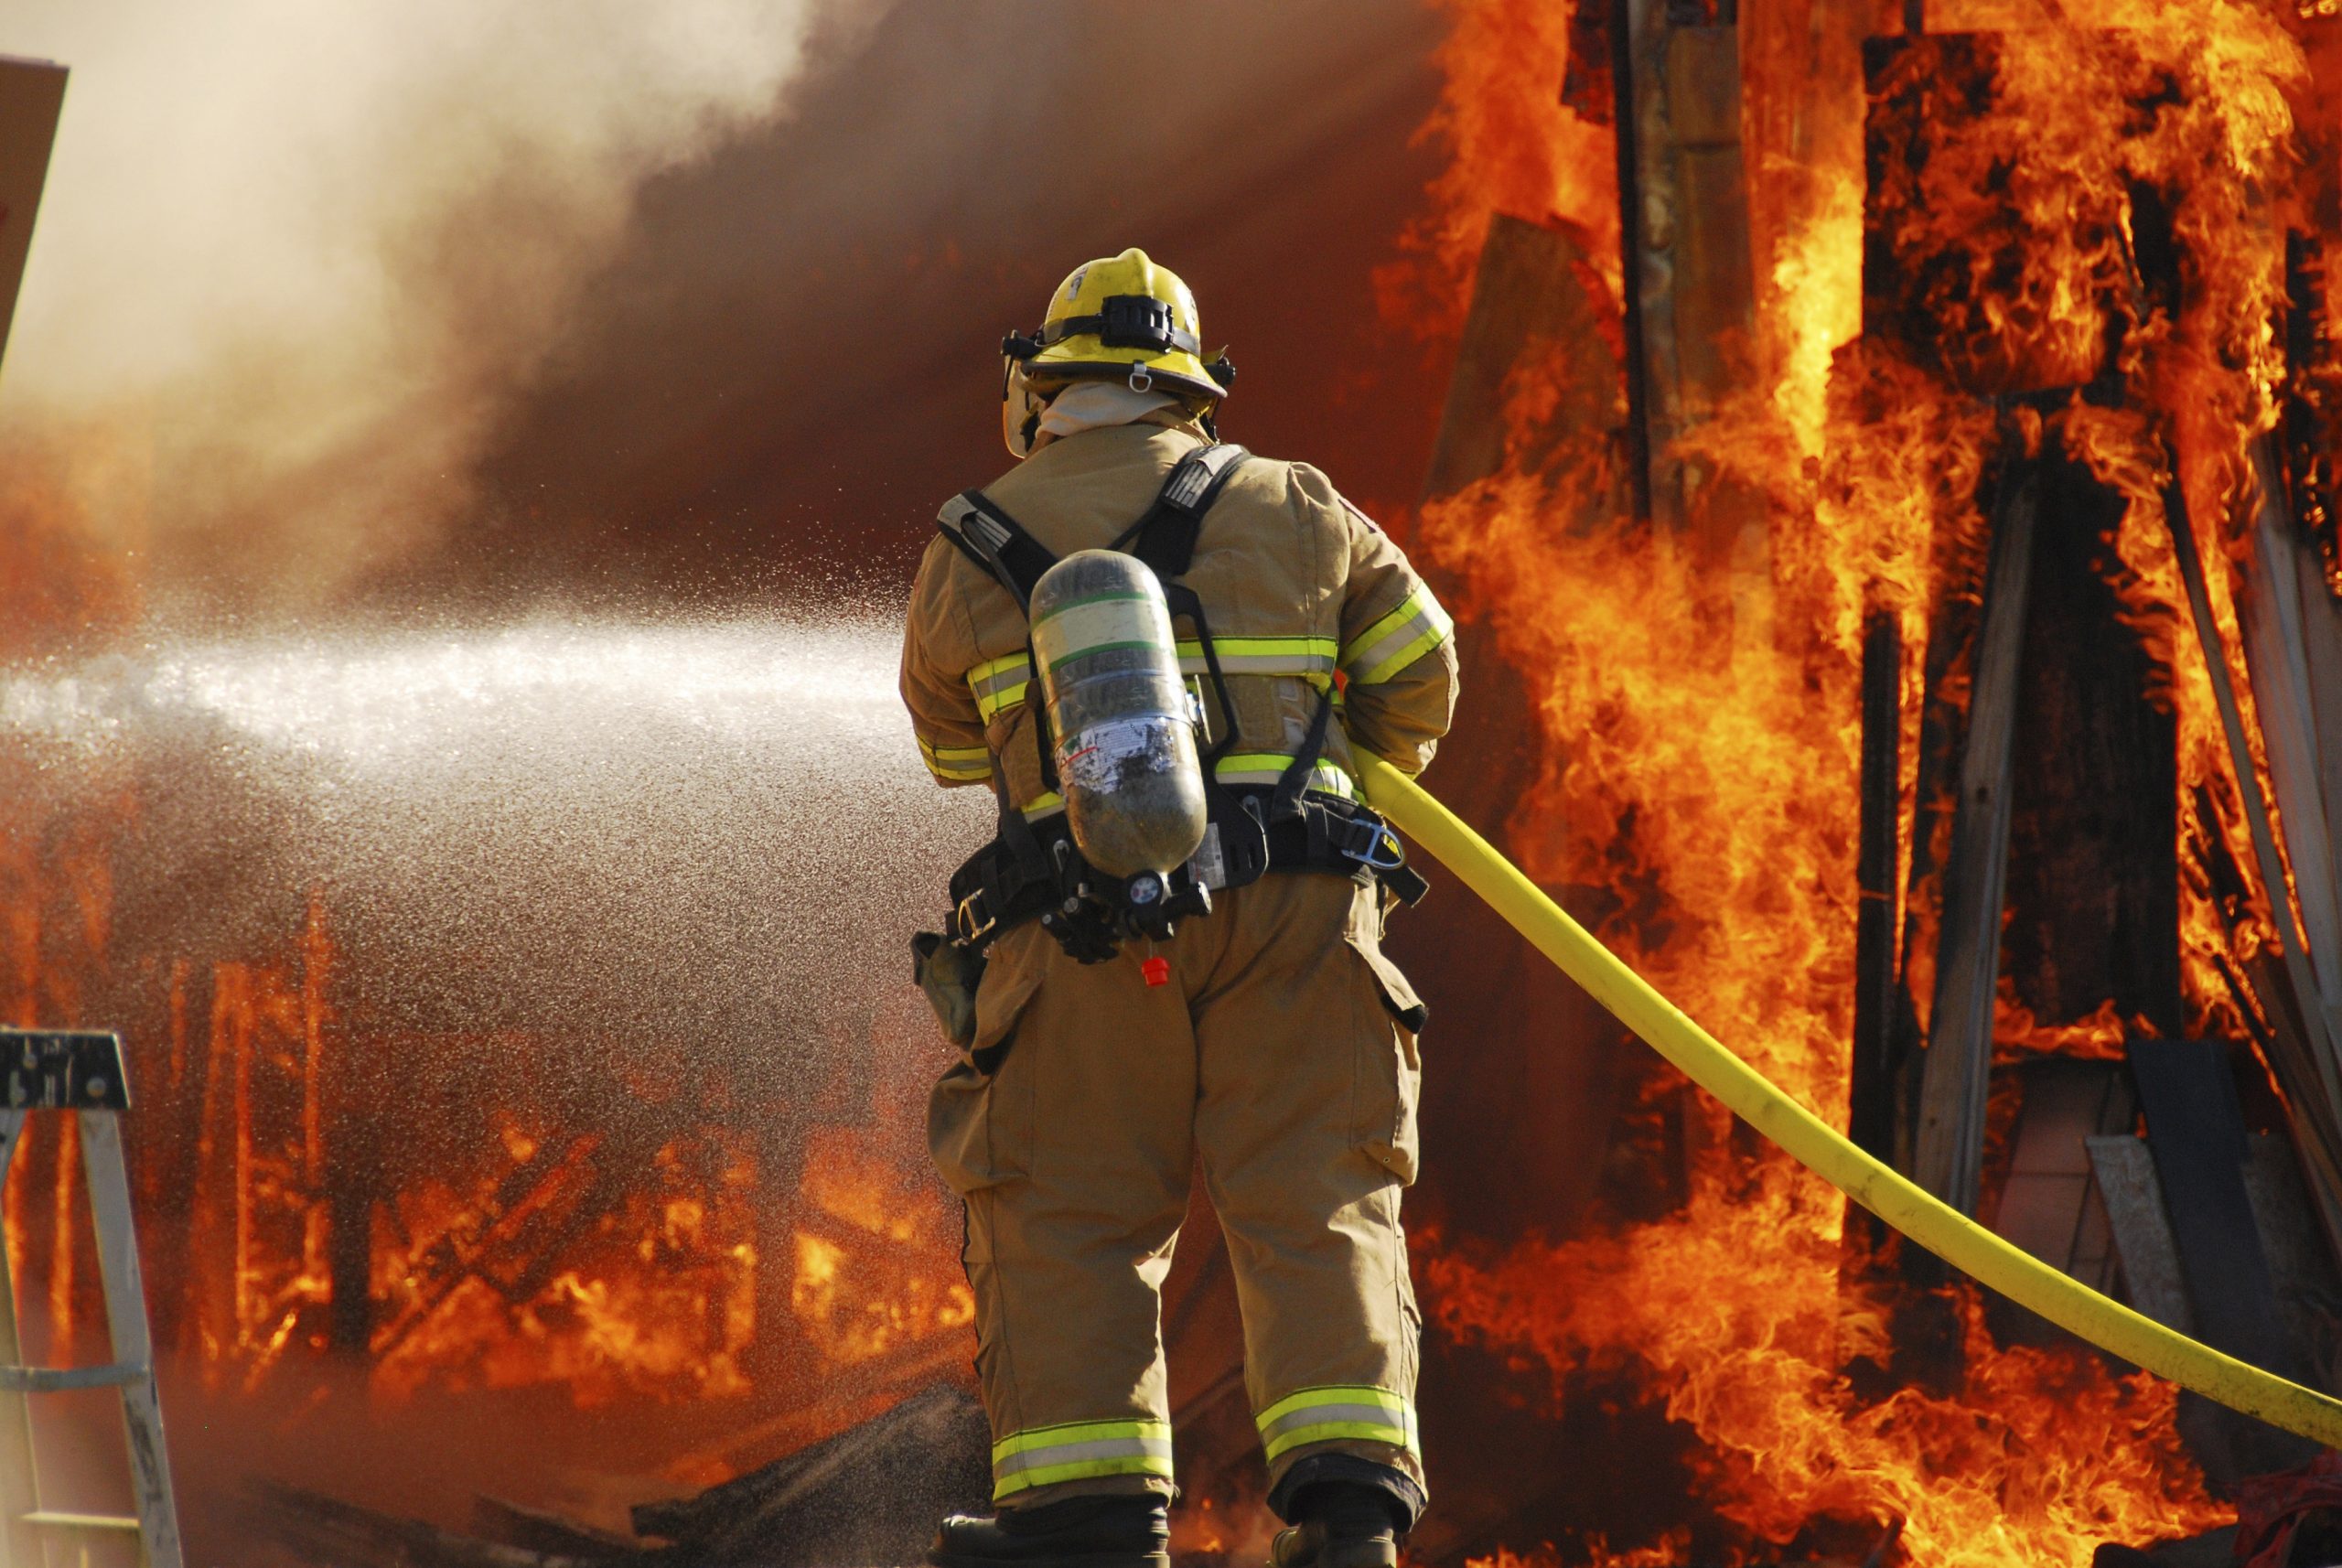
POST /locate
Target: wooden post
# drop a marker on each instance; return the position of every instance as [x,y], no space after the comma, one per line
[2314,1015]
[1691,281]
[1871,1109]
[2276,652]
[2093,863]
[1955,1080]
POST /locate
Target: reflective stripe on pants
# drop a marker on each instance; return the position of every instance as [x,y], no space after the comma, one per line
[1080,1450]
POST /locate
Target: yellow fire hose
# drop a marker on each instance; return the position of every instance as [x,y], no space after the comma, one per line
[1932,1223]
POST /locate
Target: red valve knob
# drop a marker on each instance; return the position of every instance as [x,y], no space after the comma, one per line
[1158,970]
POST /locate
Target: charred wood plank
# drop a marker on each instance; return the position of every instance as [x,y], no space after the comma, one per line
[2196,1132]
[336,1534]
[1956,1076]
[1871,1110]
[871,1494]
[538,1529]
[2125,1174]
[1626,103]
[1690,276]
[2308,1290]
[2265,1002]
[2277,658]
[2319,1037]
[1952,625]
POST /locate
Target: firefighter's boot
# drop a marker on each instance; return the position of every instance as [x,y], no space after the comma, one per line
[1111,1531]
[1342,1525]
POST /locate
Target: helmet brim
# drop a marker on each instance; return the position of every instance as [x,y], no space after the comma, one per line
[1087,359]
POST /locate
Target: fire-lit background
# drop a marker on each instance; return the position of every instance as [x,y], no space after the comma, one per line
[458,467]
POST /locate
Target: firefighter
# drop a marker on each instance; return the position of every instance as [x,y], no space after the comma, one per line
[1239,1014]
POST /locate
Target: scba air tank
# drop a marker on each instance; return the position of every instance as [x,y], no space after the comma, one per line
[1125,736]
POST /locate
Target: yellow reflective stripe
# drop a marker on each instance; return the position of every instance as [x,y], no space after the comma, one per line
[1078,1451]
[1001,684]
[998,684]
[1261,655]
[1268,766]
[1330,1430]
[1046,804]
[960,763]
[1398,639]
[1342,1411]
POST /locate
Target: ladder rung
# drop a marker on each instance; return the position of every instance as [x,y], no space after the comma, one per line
[62,1379]
[81,1521]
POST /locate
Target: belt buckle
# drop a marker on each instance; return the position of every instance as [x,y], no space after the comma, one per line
[1371,853]
[963,923]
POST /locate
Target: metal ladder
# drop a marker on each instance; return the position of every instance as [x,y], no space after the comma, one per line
[80,1073]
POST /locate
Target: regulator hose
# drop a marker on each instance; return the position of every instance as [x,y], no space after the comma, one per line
[1909,1208]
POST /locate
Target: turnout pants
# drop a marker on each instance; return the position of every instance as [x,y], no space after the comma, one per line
[1275,1059]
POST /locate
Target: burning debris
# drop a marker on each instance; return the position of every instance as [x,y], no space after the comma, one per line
[871,1494]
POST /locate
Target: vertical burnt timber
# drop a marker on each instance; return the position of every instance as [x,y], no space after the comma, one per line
[1871,1108]
[2313,392]
[2296,970]
[1949,1160]
[1630,243]
[1689,278]
[2093,878]
[2277,637]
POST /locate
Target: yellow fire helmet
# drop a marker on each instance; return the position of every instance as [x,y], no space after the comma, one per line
[1118,318]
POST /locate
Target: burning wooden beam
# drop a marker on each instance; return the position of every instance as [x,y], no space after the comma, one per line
[1691,280]
[1956,1077]
[1877,989]
[2277,647]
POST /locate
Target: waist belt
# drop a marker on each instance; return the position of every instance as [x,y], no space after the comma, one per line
[998,887]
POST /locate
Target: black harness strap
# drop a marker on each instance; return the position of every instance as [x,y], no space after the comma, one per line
[995,542]
[1165,535]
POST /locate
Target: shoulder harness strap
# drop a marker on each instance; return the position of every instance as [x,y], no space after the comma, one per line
[1165,537]
[996,541]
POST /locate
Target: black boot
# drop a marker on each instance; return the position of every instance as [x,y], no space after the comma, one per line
[1119,1531]
[1339,1524]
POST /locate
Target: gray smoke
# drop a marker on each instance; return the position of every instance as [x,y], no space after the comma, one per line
[301,259]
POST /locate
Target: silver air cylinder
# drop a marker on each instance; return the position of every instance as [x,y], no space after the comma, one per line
[1125,740]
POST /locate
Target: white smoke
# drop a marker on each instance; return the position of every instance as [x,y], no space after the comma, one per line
[303,255]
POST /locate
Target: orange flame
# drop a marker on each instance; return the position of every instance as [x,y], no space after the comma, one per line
[1703,721]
